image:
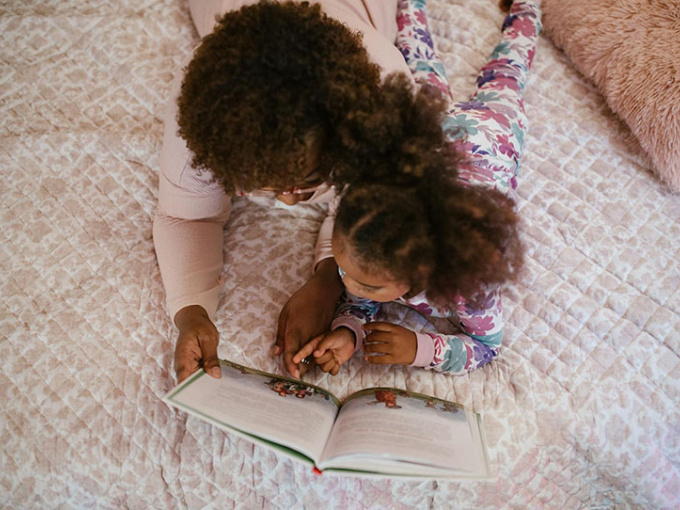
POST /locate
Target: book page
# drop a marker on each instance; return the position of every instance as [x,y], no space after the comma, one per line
[277,409]
[383,427]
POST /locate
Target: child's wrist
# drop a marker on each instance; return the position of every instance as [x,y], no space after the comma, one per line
[414,348]
[424,350]
[349,333]
[353,325]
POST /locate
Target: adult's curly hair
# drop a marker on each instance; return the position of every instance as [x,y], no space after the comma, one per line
[266,79]
[433,233]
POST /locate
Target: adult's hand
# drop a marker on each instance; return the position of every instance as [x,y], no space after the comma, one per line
[308,313]
[196,344]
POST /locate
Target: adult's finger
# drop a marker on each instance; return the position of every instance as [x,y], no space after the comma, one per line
[292,341]
[211,363]
[188,353]
[184,370]
[187,357]
[280,342]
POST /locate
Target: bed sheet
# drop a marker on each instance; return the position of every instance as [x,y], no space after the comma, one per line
[581,408]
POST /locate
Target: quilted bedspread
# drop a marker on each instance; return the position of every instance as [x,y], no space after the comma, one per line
[581,408]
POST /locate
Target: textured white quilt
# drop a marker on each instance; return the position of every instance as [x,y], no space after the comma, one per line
[581,408]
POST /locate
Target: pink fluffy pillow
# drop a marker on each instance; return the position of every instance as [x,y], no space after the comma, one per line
[630,49]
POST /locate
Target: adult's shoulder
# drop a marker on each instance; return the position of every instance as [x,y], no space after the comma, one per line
[378,25]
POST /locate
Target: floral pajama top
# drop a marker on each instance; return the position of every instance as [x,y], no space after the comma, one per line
[489,130]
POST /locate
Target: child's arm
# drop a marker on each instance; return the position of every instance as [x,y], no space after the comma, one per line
[481,326]
[383,342]
[352,313]
[481,323]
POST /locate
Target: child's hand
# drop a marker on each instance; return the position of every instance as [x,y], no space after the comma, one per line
[330,350]
[389,344]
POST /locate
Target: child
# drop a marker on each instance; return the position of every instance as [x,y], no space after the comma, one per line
[441,241]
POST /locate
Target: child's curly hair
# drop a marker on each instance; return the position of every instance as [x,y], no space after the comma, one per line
[432,232]
[266,79]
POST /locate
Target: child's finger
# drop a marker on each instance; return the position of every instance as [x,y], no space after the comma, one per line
[328,342]
[328,355]
[328,366]
[306,350]
[387,327]
[379,336]
[379,359]
[377,348]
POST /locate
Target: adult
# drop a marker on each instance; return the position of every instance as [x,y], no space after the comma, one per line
[275,97]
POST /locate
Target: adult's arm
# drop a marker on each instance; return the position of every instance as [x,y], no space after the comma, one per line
[188,237]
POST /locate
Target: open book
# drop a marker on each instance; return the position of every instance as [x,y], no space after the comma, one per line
[377,431]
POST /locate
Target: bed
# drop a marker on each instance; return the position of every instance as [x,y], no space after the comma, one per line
[581,408]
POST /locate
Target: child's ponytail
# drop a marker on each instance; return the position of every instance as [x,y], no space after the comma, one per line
[475,234]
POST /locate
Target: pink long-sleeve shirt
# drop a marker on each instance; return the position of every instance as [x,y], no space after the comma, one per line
[192,210]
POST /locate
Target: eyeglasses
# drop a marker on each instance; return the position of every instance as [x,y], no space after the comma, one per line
[313,182]
[272,193]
